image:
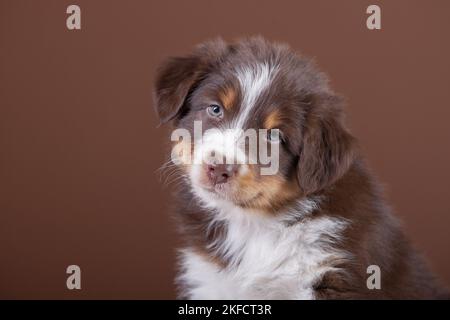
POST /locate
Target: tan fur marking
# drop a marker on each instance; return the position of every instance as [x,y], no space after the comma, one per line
[273,120]
[228,98]
[266,193]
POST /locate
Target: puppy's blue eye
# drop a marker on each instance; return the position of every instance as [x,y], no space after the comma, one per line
[214,110]
[274,135]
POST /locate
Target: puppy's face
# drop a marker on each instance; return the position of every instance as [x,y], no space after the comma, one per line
[259,126]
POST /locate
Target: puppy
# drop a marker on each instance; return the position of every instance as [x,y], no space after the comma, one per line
[316,227]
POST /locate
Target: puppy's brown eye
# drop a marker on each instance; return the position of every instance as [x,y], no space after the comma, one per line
[215,110]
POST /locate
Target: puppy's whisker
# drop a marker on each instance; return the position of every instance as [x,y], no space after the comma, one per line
[170,175]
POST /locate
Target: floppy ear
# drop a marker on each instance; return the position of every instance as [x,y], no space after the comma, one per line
[177,76]
[327,149]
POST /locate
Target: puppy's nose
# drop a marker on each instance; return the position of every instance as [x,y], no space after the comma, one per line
[221,173]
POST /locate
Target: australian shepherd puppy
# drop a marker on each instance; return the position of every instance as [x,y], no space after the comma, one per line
[311,222]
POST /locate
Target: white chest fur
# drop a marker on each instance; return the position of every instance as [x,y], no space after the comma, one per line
[269,259]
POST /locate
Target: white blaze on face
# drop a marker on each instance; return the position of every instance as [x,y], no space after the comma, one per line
[253,81]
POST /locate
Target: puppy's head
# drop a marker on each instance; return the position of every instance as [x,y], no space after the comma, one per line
[257,125]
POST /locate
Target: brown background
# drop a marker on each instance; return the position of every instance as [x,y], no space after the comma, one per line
[79,143]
